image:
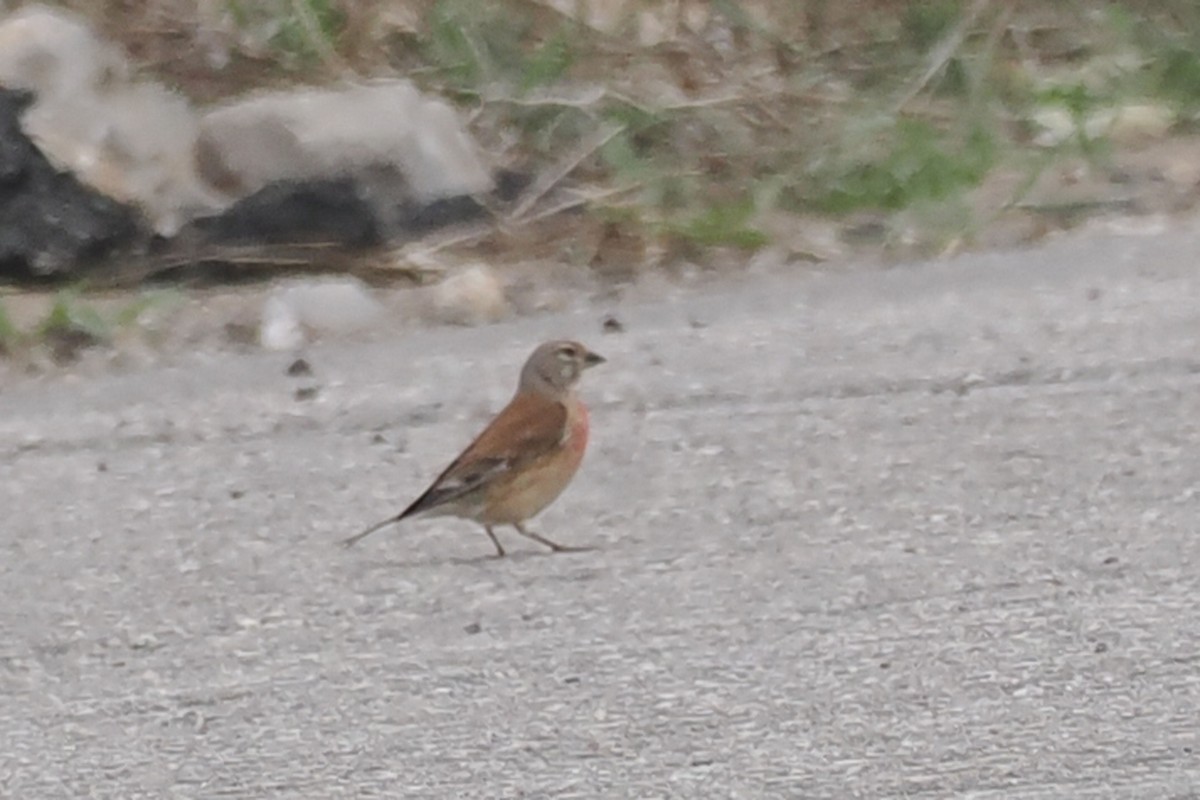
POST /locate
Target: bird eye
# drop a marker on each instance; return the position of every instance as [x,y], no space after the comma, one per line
[567,351]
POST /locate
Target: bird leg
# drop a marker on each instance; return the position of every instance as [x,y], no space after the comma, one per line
[495,541]
[555,546]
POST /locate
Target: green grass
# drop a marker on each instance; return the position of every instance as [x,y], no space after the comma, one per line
[70,315]
[721,225]
[302,32]
[923,24]
[74,323]
[472,46]
[919,163]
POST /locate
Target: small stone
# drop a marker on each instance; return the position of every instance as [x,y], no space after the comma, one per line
[473,628]
[612,325]
[1054,125]
[298,368]
[768,259]
[1140,122]
[969,382]
[473,296]
[145,641]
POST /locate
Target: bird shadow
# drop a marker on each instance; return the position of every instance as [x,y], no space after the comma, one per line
[481,560]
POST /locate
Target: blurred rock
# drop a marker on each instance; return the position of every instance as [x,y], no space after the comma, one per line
[357,131]
[280,328]
[353,166]
[1138,123]
[473,296]
[807,237]
[299,368]
[314,308]
[130,140]
[50,224]
[341,211]
[55,55]
[768,259]
[648,24]
[611,324]
[1053,125]
[297,212]
[1131,124]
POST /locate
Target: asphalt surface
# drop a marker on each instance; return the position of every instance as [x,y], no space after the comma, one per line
[923,532]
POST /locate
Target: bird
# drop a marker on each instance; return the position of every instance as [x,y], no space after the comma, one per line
[524,459]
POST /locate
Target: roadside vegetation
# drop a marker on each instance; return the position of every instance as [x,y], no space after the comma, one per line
[695,125]
[713,133]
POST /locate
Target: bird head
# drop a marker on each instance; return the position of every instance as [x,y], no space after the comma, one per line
[555,367]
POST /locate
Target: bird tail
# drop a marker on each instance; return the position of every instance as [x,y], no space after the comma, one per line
[353,540]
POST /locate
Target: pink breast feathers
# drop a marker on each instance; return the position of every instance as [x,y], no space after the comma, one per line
[578,436]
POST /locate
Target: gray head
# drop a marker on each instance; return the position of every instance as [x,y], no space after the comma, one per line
[555,367]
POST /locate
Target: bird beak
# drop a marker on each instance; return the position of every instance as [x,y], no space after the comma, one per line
[593,359]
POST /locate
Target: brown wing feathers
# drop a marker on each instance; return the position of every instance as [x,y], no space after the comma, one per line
[528,428]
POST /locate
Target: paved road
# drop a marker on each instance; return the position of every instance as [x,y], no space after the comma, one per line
[926,532]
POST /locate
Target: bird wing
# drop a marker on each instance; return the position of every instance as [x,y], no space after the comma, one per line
[529,427]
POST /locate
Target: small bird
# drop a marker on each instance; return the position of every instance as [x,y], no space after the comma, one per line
[523,459]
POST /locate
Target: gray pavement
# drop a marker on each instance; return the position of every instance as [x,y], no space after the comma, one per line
[923,532]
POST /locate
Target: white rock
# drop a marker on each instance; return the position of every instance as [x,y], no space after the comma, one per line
[1140,122]
[54,54]
[323,133]
[280,329]
[1054,126]
[1129,124]
[472,296]
[129,140]
[300,311]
